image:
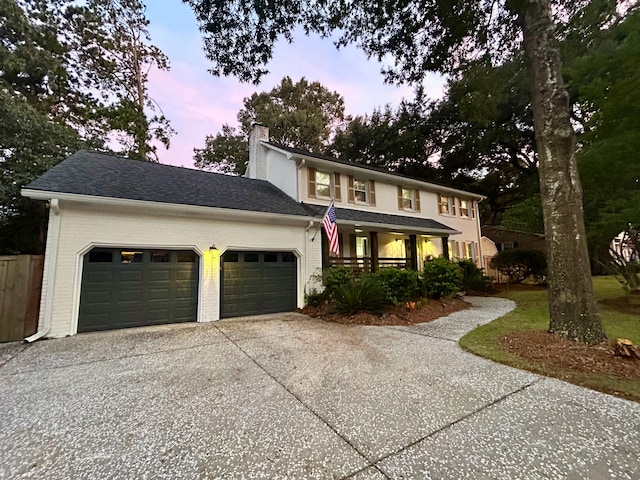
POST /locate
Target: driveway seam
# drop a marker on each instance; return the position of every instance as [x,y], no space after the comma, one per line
[461,419]
[22,349]
[102,360]
[406,330]
[313,412]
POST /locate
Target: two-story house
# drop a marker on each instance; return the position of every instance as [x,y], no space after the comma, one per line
[133,243]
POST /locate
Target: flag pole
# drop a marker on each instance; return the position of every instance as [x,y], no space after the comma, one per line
[320,226]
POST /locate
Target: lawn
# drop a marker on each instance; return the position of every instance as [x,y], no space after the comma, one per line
[532,314]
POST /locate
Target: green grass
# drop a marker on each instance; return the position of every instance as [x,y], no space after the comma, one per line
[532,313]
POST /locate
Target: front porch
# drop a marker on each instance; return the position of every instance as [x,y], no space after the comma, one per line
[366,250]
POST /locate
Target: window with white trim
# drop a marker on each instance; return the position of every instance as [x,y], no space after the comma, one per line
[464,208]
[443,205]
[360,190]
[408,198]
[323,184]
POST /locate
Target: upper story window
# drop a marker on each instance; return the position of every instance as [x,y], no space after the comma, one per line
[443,205]
[408,199]
[464,208]
[323,184]
[362,191]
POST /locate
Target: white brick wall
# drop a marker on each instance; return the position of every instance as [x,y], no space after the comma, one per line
[83,226]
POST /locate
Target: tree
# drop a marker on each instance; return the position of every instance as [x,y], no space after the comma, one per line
[112,42]
[227,152]
[444,36]
[397,141]
[37,101]
[302,114]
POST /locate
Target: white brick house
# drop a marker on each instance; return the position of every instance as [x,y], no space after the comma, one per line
[133,243]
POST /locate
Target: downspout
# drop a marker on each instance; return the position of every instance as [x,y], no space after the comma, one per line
[480,257]
[51,260]
[304,264]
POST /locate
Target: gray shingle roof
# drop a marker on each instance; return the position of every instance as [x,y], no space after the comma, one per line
[98,174]
[361,216]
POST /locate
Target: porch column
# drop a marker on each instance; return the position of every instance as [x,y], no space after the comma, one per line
[325,249]
[445,247]
[373,240]
[413,250]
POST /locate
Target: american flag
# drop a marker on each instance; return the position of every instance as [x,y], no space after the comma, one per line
[331,229]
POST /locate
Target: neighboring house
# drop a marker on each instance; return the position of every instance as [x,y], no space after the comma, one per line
[133,243]
[505,239]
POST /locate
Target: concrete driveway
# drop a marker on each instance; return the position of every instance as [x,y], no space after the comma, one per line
[291,397]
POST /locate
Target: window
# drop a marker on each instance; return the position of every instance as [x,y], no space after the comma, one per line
[131,257]
[453,249]
[507,245]
[160,257]
[464,208]
[360,190]
[323,184]
[270,257]
[186,256]
[408,199]
[443,205]
[100,256]
[251,257]
[472,206]
[361,247]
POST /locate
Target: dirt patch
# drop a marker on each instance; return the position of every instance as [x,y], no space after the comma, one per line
[401,315]
[621,304]
[570,357]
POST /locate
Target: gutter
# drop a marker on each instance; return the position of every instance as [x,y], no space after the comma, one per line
[51,259]
[224,213]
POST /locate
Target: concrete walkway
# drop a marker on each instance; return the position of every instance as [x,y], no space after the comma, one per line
[291,397]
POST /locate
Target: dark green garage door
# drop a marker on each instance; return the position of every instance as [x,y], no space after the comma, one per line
[130,288]
[254,283]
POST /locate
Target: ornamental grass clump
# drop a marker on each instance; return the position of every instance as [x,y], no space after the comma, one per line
[364,294]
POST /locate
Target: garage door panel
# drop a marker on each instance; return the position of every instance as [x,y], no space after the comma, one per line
[157,275]
[120,295]
[268,285]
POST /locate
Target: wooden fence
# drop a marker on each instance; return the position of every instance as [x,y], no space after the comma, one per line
[20,288]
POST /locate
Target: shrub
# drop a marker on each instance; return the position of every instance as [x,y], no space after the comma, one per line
[518,263]
[314,298]
[362,294]
[473,277]
[332,278]
[441,277]
[400,285]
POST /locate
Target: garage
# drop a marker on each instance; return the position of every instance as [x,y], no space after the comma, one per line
[128,287]
[255,283]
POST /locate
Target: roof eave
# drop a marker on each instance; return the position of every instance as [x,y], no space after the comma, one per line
[230,213]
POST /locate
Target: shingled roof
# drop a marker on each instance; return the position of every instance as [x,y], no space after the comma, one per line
[390,221]
[102,175]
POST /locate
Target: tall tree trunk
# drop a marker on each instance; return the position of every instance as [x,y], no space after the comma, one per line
[571,300]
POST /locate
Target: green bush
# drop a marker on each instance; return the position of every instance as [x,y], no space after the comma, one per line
[332,278]
[473,277]
[518,263]
[365,294]
[314,298]
[400,285]
[441,277]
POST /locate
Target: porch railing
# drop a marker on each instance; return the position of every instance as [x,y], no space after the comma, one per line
[363,264]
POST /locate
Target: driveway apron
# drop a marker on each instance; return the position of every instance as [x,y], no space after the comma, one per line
[286,396]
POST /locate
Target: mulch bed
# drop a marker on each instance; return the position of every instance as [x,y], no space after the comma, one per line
[394,315]
[572,357]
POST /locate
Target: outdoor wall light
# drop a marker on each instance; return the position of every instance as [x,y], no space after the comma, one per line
[213,247]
